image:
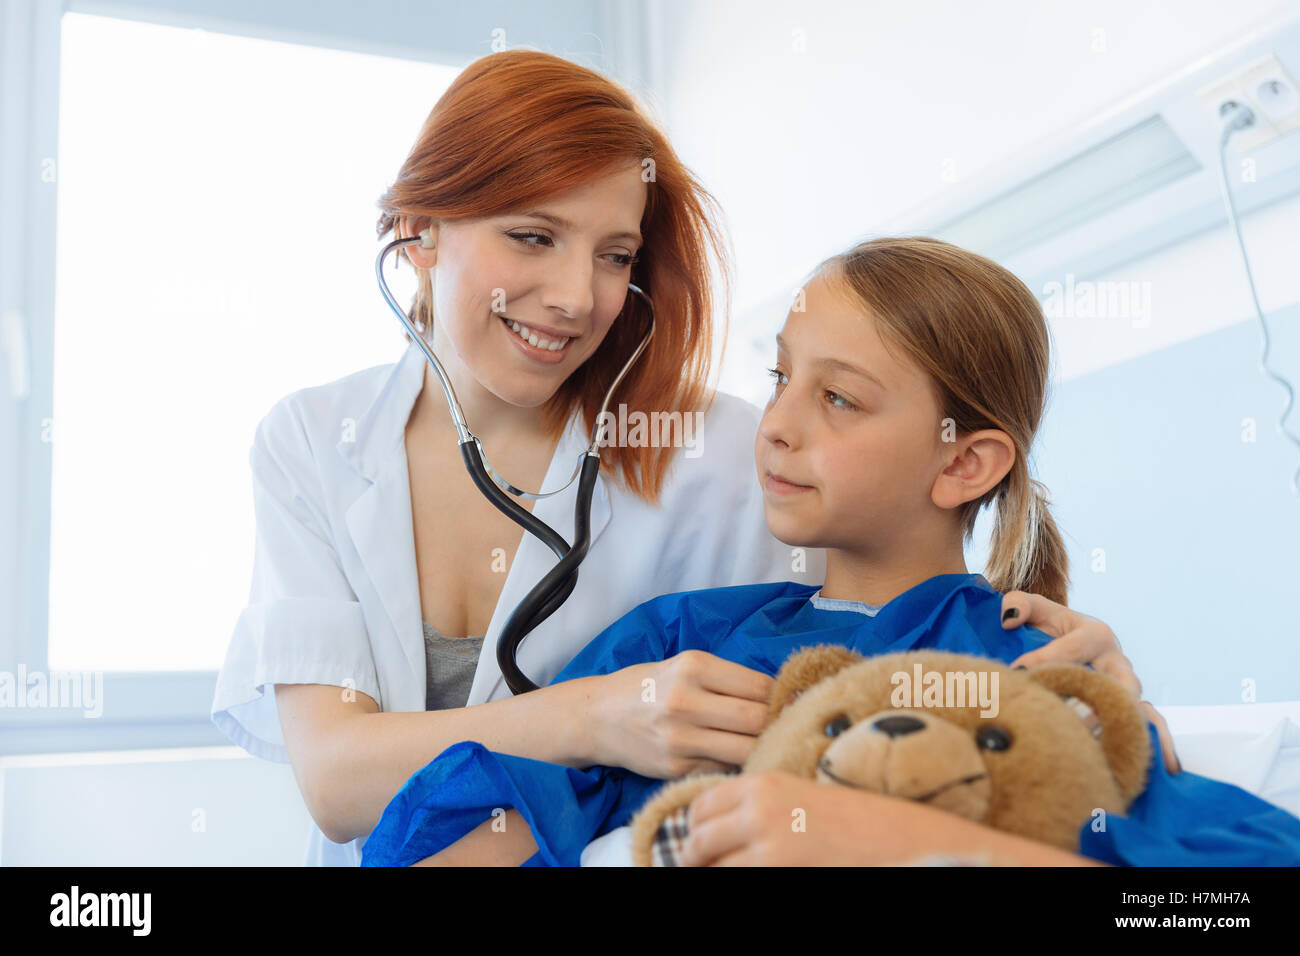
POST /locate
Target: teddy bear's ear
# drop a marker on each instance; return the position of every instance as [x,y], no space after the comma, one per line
[1112,715]
[804,669]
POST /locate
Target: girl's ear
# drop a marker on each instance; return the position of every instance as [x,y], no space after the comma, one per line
[810,666]
[979,461]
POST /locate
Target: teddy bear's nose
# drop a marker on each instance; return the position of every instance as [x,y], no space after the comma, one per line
[897,726]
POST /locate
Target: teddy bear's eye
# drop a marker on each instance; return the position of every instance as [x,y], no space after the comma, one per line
[993,738]
[837,725]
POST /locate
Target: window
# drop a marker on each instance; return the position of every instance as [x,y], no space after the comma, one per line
[215,251]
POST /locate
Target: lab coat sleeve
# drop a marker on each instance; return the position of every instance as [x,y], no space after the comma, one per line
[303,624]
[1184,819]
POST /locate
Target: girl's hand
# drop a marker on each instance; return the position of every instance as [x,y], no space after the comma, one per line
[778,819]
[1081,639]
[692,712]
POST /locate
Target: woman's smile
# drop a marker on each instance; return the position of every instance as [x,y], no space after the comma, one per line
[544,348]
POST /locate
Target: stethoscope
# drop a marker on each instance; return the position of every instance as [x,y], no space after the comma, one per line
[554,589]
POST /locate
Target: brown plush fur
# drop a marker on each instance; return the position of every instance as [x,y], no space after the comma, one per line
[1052,778]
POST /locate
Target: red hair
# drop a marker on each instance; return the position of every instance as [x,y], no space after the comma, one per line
[517,127]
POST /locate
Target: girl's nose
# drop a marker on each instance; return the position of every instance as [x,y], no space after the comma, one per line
[780,422]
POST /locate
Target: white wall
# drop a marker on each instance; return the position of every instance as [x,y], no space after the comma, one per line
[818,123]
[1197,287]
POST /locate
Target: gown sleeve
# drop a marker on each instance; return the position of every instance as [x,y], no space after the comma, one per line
[1184,819]
[303,623]
[566,808]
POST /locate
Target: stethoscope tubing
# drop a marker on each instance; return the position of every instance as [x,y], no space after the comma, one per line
[548,594]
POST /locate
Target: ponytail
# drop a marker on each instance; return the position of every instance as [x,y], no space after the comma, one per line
[1027,552]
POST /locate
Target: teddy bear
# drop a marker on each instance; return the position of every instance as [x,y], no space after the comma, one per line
[1037,752]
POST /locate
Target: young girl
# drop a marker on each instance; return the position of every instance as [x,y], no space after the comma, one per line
[909,385]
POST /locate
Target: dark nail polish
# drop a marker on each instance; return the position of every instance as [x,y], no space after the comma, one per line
[1020,667]
[1011,612]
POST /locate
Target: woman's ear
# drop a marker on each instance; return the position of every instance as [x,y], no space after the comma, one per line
[421,257]
[976,463]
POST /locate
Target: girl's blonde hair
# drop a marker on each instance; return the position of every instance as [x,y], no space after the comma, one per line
[980,336]
[517,127]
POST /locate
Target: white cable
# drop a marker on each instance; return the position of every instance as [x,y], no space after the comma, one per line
[1237,117]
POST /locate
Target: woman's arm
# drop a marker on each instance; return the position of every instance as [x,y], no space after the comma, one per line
[664,719]
[350,759]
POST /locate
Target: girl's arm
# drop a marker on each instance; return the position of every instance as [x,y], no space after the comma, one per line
[749,821]
[489,844]
[966,838]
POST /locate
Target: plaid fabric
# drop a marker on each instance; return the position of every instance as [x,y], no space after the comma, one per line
[1086,714]
[670,838]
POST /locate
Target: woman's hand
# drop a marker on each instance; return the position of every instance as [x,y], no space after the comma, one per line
[1081,639]
[778,819]
[692,712]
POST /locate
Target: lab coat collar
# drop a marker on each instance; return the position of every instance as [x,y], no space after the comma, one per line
[381,526]
[381,429]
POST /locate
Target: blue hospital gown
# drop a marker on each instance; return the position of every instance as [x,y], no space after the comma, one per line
[1179,820]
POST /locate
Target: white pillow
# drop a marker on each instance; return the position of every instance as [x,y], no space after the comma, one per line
[1253,746]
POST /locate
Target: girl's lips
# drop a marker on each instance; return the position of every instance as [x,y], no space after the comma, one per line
[779,486]
[545,356]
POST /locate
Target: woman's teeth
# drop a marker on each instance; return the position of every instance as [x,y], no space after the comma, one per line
[535,340]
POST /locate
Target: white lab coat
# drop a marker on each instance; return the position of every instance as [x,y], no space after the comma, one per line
[335,595]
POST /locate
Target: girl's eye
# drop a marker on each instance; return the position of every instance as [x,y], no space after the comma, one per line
[837,395]
[777,375]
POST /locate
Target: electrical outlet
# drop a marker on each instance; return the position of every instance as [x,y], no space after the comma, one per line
[1271,93]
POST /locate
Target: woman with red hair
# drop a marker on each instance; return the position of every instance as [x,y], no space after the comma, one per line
[546,190]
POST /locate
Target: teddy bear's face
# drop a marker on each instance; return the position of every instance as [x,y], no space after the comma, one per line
[911,754]
[1033,764]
